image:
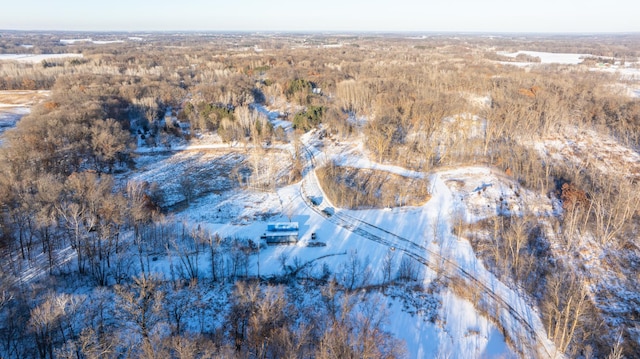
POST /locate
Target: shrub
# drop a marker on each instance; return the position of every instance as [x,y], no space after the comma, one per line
[308,119]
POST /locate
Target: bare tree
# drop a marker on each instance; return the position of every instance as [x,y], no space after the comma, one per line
[564,307]
[141,302]
[188,250]
[217,258]
[387,266]
[408,270]
[244,301]
[108,140]
[50,322]
[187,187]
[612,207]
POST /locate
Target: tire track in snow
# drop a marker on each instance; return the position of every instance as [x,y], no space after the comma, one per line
[501,295]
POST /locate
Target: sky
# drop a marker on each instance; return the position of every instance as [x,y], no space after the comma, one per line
[550,16]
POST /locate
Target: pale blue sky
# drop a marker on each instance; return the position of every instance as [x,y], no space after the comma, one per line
[318,15]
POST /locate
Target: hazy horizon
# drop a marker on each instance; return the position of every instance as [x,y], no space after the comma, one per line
[400,16]
[327,32]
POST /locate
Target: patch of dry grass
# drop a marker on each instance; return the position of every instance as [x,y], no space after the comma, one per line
[357,188]
[22,98]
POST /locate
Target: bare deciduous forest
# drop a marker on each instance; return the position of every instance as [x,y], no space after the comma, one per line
[80,235]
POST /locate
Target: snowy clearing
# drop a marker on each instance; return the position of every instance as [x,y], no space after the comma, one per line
[89,40]
[351,232]
[33,59]
[460,331]
[549,57]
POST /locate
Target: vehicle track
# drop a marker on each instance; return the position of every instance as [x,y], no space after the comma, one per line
[450,269]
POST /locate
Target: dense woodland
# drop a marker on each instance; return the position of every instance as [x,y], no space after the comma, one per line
[64,185]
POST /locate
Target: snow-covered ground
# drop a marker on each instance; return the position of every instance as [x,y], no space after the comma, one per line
[471,193]
[365,163]
[274,117]
[9,116]
[441,323]
[207,171]
[34,59]
[549,57]
[457,333]
[16,104]
[460,331]
[88,40]
[624,73]
[574,145]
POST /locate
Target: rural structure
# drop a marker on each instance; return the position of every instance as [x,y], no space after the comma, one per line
[281,233]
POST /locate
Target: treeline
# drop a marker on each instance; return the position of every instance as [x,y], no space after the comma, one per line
[150,317]
[545,256]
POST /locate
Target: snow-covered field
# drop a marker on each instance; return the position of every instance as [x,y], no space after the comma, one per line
[459,330]
[626,72]
[549,57]
[34,59]
[208,172]
[96,42]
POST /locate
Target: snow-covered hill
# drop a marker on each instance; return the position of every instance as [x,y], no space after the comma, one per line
[447,322]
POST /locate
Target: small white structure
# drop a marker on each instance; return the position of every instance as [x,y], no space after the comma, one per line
[281,233]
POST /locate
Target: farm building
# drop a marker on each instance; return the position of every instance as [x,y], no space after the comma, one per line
[281,233]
